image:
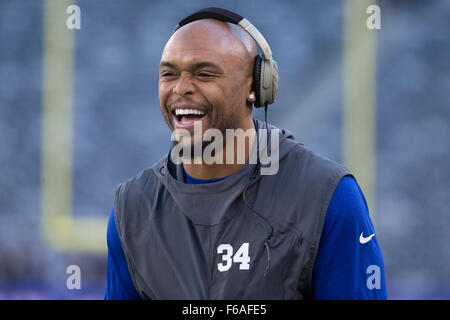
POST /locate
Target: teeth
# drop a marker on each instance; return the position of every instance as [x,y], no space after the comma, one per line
[188,111]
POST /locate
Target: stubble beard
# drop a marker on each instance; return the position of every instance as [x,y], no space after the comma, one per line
[221,123]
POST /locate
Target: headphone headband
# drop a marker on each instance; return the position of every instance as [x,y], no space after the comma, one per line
[213,13]
[265,74]
[231,17]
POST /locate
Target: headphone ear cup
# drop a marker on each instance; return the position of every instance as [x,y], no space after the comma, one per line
[256,86]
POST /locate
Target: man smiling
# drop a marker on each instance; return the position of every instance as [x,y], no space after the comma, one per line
[194,78]
[196,230]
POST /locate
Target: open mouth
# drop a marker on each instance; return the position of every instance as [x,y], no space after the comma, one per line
[186,117]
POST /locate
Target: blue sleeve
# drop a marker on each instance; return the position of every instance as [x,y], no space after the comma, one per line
[349,264]
[119,285]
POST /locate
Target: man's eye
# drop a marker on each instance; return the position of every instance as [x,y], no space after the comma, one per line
[205,75]
[166,74]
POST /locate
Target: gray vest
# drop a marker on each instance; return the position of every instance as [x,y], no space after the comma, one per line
[208,241]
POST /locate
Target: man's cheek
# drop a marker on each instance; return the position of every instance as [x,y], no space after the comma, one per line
[163,98]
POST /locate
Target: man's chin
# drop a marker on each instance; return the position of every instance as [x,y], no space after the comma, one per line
[190,151]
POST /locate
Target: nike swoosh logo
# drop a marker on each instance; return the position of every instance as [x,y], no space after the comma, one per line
[363,239]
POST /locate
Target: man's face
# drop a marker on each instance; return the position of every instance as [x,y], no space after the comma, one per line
[204,68]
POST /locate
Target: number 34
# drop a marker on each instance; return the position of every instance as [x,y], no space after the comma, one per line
[241,256]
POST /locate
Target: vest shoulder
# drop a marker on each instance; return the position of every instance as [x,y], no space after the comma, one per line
[130,196]
[300,158]
[141,180]
[133,188]
[138,179]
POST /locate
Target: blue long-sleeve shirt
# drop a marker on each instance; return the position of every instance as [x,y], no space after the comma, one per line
[349,263]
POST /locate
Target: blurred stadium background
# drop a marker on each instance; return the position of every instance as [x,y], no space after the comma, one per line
[79,113]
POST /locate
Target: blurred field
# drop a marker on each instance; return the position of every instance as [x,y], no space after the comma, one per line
[79,113]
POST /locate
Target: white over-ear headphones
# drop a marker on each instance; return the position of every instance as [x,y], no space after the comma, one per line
[265,73]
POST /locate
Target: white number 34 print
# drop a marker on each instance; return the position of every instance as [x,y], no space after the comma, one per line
[241,256]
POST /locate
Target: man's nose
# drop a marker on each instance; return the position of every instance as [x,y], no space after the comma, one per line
[184,85]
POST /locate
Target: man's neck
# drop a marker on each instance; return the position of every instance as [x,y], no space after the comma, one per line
[219,170]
